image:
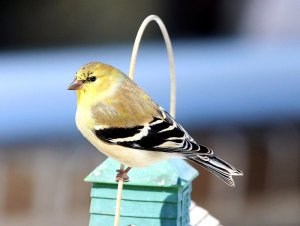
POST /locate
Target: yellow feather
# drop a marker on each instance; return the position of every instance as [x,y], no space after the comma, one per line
[113,100]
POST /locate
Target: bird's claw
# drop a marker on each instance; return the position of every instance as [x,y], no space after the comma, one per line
[122,175]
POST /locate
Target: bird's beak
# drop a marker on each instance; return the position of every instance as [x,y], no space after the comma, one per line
[77,84]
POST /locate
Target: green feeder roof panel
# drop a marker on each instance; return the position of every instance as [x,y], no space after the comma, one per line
[171,173]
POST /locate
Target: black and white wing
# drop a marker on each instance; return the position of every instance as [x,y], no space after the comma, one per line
[166,135]
[161,134]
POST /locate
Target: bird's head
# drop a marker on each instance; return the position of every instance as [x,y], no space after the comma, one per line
[95,78]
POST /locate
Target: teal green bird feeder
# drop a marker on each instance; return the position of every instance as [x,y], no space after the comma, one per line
[157,195]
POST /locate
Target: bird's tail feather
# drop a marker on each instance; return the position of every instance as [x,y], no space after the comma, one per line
[218,167]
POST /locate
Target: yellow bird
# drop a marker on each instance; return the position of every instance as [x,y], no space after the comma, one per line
[124,123]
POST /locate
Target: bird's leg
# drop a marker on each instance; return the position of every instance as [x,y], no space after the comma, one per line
[122,175]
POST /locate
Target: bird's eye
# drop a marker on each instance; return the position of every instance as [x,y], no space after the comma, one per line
[92,79]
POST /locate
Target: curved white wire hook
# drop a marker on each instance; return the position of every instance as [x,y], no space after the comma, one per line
[170,56]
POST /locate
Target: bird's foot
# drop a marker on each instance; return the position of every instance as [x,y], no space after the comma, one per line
[122,175]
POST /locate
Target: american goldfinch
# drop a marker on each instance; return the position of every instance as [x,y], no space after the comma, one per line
[124,123]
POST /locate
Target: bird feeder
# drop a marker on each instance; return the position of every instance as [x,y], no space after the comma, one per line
[157,195]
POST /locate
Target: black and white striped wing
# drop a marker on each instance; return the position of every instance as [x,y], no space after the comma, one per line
[164,135]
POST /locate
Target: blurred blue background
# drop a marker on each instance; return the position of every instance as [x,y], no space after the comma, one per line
[238,78]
